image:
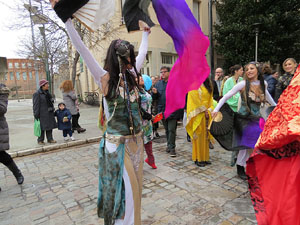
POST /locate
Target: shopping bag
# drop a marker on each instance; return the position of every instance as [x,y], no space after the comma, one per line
[37,128]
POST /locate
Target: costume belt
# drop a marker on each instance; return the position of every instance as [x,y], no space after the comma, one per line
[119,139]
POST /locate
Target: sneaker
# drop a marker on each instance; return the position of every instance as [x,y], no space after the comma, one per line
[172,153]
[66,138]
[41,143]
[52,141]
[72,138]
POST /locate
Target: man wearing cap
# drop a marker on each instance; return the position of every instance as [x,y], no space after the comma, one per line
[43,110]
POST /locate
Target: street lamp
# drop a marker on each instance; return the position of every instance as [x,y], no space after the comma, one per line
[42,30]
[256,30]
[33,10]
[37,17]
[211,46]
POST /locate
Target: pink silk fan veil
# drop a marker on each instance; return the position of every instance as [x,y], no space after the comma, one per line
[191,68]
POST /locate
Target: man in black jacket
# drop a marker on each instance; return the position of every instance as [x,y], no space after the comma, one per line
[170,124]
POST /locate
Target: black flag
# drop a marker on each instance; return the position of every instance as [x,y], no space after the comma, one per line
[135,10]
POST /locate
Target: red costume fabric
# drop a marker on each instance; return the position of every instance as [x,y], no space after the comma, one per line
[274,167]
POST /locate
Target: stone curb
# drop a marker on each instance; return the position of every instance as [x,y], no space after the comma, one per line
[54,147]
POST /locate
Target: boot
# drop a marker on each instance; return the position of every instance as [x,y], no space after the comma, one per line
[167,150]
[172,152]
[16,172]
[80,130]
[241,172]
[152,165]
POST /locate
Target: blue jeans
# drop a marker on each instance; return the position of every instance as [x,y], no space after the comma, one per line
[66,132]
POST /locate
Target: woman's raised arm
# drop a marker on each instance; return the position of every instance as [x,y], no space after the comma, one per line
[229,94]
[96,70]
[142,50]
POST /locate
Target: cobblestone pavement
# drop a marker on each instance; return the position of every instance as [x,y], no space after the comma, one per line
[61,188]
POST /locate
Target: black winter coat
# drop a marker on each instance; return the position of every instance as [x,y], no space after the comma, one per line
[4,132]
[43,110]
[271,84]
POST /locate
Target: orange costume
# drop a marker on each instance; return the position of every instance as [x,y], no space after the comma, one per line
[274,167]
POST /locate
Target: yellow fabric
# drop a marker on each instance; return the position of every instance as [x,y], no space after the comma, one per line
[198,102]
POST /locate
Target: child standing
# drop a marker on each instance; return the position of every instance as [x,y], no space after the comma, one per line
[64,121]
[146,101]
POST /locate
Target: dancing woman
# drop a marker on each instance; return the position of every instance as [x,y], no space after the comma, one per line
[121,149]
[254,93]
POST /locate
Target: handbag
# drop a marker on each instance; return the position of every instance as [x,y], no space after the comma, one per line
[37,128]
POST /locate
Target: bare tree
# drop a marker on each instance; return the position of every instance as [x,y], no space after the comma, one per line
[56,35]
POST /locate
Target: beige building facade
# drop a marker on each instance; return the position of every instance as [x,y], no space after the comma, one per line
[161,51]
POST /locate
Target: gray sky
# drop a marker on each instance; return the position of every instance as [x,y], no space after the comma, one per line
[9,39]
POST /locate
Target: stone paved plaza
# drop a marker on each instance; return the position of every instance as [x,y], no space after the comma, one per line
[61,188]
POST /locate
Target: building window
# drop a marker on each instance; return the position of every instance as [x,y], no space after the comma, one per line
[5,76]
[196,10]
[10,65]
[18,75]
[168,58]
[29,65]
[30,75]
[16,65]
[24,65]
[24,76]
[11,75]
